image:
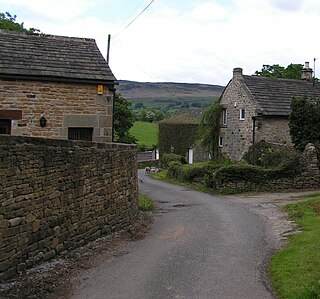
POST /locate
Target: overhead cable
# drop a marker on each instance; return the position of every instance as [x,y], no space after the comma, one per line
[135,18]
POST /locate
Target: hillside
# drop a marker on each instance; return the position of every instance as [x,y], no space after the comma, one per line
[166,94]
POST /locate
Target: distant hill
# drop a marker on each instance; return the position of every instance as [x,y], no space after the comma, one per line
[140,90]
[168,95]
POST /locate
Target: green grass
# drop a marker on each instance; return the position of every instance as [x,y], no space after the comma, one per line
[145,203]
[295,270]
[145,133]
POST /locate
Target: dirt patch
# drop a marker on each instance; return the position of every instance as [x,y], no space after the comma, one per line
[52,280]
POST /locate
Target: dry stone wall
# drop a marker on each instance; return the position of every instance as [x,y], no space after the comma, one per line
[58,194]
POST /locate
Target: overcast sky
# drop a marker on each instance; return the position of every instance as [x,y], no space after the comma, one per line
[193,41]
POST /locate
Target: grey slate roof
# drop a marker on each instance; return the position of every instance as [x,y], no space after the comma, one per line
[51,57]
[274,95]
[185,116]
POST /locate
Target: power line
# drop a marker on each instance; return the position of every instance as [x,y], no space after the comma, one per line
[135,18]
[132,13]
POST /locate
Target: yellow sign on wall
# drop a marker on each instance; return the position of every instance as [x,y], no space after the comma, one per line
[100,89]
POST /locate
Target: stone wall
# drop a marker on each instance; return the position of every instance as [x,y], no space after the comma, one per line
[273,129]
[59,194]
[308,179]
[64,105]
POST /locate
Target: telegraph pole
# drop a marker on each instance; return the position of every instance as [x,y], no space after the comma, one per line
[108,49]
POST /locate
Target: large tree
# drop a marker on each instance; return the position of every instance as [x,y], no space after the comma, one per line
[304,122]
[8,22]
[123,120]
[292,71]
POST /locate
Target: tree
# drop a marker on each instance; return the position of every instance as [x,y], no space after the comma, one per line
[304,122]
[292,71]
[209,128]
[138,106]
[8,22]
[151,115]
[123,120]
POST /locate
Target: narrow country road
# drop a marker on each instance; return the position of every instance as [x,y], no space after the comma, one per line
[200,246]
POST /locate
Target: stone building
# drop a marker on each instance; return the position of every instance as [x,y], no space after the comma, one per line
[54,87]
[179,134]
[257,109]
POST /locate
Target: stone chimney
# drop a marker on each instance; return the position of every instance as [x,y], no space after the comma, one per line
[306,72]
[237,72]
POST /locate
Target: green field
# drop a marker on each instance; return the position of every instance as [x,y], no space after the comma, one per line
[295,270]
[145,133]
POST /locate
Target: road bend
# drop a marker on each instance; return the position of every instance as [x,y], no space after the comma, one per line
[200,246]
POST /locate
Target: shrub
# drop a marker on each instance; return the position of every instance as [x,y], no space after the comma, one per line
[175,170]
[145,203]
[269,155]
[167,158]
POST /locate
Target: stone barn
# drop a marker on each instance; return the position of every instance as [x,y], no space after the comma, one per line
[55,87]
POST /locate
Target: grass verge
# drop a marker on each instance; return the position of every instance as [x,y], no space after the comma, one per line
[295,270]
[145,203]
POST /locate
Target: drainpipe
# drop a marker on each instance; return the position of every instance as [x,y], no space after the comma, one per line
[113,107]
[253,130]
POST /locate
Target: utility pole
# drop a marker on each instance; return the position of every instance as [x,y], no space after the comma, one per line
[108,50]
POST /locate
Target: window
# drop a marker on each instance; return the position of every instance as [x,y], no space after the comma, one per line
[5,126]
[224,116]
[80,134]
[242,114]
[220,141]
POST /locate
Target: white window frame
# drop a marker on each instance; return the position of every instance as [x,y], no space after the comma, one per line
[220,141]
[242,114]
[224,116]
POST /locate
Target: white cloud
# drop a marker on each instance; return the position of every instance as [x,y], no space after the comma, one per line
[191,41]
[55,9]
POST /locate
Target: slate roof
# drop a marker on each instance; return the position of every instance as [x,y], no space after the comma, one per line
[185,116]
[50,57]
[274,95]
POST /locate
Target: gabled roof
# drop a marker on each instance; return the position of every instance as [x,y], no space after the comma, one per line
[49,57]
[185,116]
[274,95]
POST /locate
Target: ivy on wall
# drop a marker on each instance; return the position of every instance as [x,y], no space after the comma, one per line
[177,137]
[210,127]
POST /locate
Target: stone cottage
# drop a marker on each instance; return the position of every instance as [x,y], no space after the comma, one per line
[55,87]
[257,108]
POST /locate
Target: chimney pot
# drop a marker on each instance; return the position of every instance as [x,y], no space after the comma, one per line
[306,72]
[237,72]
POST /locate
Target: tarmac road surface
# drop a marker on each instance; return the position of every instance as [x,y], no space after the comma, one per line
[200,246]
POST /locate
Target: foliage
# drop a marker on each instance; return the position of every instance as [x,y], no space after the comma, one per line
[194,172]
[146,135]
[152,115]
[246,176]
[8,22]
[175,170]
[292,71]
[177,137]
[167,158]
[209,128]
[145,203]
[270,155]
[304,122]
[123,120]
[295,269]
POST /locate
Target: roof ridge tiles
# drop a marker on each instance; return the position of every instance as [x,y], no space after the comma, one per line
[44,35]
